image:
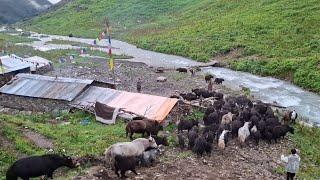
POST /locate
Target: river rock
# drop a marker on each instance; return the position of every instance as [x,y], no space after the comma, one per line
[161,79]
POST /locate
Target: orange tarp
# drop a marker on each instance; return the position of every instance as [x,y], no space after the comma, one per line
[149,106]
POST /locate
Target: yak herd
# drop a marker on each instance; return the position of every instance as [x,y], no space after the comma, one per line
[226,118]
[232,117]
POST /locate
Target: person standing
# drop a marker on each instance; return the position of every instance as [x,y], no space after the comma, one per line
[210,85]
[193,73]
[292,164]
[139,84]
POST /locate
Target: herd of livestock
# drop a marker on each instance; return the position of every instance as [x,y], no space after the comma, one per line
[231,117]
[226,118]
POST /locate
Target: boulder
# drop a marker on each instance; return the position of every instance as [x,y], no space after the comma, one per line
[161,79]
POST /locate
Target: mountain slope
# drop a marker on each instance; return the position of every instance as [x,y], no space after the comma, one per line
[15,10]
[274,37]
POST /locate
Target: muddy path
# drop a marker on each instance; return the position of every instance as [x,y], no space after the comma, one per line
[38,139]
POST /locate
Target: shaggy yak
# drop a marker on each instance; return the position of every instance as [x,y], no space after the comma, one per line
[134,148]
[142,126]
[161,140]
[208,77]
[124,163]
[181,141]
[186,125]
[244,133]
[218,80]
[148,157]
[222,139]
[36,166]
[184,70]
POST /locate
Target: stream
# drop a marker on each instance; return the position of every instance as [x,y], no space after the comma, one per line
[267,89]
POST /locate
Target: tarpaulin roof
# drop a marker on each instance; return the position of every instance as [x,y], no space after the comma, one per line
[149,106]
[32,85]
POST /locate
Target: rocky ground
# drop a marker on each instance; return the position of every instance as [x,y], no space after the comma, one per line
[127,74]
[251,162]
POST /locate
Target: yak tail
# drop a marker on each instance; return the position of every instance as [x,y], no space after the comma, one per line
[10,175]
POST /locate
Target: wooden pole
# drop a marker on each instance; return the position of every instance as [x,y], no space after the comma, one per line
[1,67]
[108,32]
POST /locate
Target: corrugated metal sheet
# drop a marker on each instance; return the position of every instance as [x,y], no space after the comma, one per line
[10,64]
[31,85]
[93,94]
[150,106]
[39,61]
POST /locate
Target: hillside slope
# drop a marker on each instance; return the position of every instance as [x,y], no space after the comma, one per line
[15,10]
[273,38]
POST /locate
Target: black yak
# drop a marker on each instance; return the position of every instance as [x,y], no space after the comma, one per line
[36,166]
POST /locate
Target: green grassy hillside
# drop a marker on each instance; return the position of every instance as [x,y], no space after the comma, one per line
[278,38]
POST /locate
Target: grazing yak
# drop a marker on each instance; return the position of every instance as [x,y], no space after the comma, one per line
[192,136]
[36,166]
[235,126]
[222,140]
[189,96]
[256,134]
[218,80]
[244,133]
[184,70]
[212,118]
[148,157]
[187,125]
[290,117]
[134,148]
[150,127]
[181,141]
[208,77]
[200,145]
[124,163]
[227,118]
[161,140]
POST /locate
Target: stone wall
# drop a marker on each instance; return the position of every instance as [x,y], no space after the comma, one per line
[104,84]
[4,78]
[33,104]
[44,69]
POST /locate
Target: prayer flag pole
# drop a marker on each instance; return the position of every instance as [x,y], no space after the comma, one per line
[1,67]
[111,60]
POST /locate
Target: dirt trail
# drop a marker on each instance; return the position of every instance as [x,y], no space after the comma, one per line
[38,139]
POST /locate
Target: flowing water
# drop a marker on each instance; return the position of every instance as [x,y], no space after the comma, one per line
[267,89]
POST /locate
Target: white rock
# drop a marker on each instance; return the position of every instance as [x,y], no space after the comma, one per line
[161,79]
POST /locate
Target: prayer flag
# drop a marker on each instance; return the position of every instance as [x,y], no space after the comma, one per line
[111,63]
[110,52]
